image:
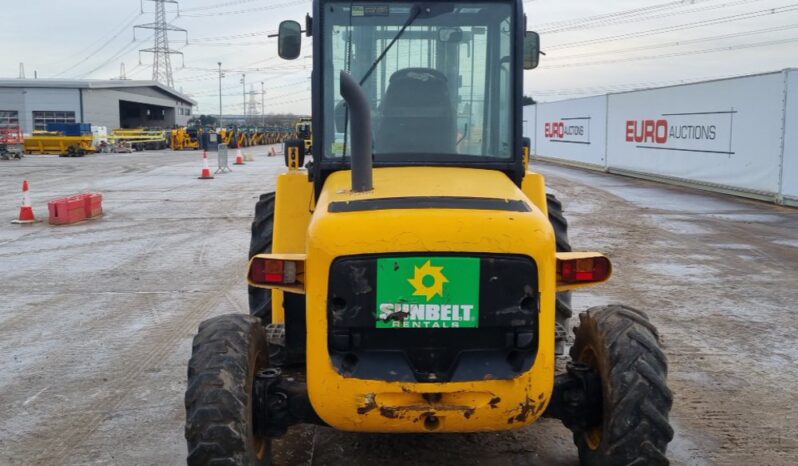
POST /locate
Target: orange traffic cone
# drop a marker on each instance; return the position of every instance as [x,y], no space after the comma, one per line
[239,158]
[206,170]
[25,211]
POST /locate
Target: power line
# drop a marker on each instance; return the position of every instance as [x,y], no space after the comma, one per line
[679,54]
[680,27]
[220,5]
[250,10]
[646,17]
[125,49]
[234,36]
[229,44]
[617,14]
[625,87]
[273,88]
[271,70]
[105,44]
[672,44]
[279,102]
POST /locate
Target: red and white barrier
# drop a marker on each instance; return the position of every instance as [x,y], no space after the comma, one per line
[74,209]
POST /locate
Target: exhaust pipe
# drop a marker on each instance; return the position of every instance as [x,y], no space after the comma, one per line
[360,116]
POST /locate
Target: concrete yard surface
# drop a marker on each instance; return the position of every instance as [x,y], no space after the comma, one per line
[96,319]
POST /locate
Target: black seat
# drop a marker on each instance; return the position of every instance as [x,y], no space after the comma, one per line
[416,114]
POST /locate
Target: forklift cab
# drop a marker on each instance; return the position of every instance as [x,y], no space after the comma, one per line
[443,81]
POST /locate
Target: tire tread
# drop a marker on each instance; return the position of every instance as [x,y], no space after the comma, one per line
[637,400]
[217,427]
[260,300]
[563,311]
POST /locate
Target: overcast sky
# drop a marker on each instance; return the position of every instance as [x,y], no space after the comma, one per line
[592,46]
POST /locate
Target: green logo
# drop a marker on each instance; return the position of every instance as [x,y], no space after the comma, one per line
[428,292]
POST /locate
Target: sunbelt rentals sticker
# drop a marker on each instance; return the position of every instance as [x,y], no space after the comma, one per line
[428,292]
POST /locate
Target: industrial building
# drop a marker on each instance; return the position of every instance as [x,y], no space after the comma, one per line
[32,103]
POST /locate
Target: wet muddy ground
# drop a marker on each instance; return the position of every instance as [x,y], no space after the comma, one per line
[96,319]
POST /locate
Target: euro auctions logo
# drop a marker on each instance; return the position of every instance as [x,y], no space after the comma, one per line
[428,292]
[707,132]
[574,130]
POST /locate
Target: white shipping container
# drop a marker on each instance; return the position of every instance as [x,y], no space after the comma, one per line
[726,132]
[573,130]
[789,176]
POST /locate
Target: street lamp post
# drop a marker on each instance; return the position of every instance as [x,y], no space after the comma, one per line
[220,94]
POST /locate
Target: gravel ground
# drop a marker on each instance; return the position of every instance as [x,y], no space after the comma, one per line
[96,319]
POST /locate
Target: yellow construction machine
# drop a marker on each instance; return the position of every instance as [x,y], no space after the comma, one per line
[141,138]
[257,137]
[185,138]
[415,278]
[55,142]
[304,132]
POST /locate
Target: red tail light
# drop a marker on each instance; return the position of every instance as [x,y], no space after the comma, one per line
[582,270]
[273,271]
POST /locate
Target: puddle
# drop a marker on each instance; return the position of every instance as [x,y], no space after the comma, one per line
[748,218]
[694,272]
[676,225]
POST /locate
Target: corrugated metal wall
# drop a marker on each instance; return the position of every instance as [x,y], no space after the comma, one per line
[28,100]
[100,107]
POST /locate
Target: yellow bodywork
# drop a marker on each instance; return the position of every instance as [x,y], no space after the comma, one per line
[183,140]
[292,211]
[306,228]
[43,142]
[138,135]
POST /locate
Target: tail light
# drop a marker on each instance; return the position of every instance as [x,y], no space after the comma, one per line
[580,269]
[277,271]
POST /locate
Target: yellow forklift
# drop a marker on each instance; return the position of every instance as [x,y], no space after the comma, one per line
[414,278]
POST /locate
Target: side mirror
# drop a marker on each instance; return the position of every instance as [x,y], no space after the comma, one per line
[289,40]
[531,50]
[340,116]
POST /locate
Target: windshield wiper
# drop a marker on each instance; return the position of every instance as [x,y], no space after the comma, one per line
[414,12]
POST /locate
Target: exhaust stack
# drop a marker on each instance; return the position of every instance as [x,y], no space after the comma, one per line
[360,116]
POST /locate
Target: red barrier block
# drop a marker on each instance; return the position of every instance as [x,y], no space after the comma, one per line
[67,210]
[94,204]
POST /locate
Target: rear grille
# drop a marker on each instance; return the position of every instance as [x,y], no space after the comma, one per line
[424,317]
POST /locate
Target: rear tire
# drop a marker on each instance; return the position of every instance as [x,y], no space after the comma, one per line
[228,351]
[622,345]
[563,311]
[260,299]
